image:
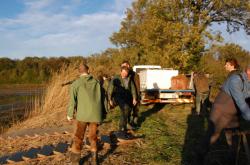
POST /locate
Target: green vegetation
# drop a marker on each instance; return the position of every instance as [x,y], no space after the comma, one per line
[173,33]
[213,62]
[163,130]
[169,135]
[169,33]
[31,70]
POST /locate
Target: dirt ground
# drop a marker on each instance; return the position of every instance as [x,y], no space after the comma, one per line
[168,134]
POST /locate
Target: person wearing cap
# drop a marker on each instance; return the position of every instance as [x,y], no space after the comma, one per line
[86,104]
[230,103]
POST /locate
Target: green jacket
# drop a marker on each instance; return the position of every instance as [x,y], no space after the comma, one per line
[117,89]
[86,98]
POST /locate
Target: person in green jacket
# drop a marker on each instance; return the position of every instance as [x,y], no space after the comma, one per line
[123,93]
[136,80]
[87,106]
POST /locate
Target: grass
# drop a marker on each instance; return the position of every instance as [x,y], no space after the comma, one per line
[164,130]
[170,131]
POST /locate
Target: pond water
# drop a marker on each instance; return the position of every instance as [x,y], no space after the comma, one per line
[15,102]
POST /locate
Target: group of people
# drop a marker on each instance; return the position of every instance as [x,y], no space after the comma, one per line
[88,106]
[89,99]
[230,105]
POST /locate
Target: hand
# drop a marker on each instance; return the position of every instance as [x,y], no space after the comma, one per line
[69,118]
[134,102]
[111,103]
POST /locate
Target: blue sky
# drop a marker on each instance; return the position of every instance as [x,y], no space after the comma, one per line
[66,27]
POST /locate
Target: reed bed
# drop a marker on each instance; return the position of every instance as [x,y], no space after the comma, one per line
[50,110]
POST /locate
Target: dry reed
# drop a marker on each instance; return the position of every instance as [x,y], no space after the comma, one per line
[51,112]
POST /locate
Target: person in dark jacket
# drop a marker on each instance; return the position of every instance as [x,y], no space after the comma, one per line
[133,119]
[87,102]
[123,93]
[201,85]
[231,102]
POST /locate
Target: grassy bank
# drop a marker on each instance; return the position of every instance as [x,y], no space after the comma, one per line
[168,134]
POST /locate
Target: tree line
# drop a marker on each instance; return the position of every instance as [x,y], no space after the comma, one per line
[170,33]
[31,70]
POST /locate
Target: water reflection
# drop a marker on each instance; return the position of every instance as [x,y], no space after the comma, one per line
[15,103]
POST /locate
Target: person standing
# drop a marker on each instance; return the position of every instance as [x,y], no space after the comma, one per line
[133,119]
[86,105]
[231,66]
[230,102]
[201,85]
[123,93]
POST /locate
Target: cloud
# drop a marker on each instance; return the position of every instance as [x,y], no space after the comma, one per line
[41,31]
[37,5]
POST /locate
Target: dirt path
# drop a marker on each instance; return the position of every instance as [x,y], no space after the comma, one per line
[50,146]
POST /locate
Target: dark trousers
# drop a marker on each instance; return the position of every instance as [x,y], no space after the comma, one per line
[223,116]
[135,114]
[125,110]
[80,129]
[201,101]
[212,136]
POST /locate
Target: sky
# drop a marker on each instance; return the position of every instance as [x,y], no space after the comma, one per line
[58,27]
[67,27]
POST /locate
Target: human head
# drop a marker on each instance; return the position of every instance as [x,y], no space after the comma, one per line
[124,71]
[125,63]
[83,68]
[105,76]
[231,64]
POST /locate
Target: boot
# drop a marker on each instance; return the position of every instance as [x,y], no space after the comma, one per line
[135,121]
[130,126]
[94,158]
[75,158]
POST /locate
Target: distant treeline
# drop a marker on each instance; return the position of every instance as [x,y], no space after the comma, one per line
[173,35]
[31,70]
[39,70]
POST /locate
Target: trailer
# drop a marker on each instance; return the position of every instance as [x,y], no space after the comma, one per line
[162,85]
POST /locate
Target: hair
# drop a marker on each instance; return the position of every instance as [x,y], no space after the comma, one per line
[125,68]
[83,68]
[125,62]
[105,75]
[233,62]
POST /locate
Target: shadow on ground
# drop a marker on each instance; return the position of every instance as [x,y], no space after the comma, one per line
[144,115]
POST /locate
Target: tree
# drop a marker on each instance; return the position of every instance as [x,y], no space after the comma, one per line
[173,32]
[6,63]
[214,60]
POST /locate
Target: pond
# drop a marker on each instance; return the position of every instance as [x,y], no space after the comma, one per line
[17,101]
